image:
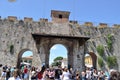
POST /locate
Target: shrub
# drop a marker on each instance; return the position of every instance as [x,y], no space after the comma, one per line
[100,62]
[109,41]
[100,50]
[111,61]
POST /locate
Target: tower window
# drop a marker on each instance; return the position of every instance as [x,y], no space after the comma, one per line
[60,16]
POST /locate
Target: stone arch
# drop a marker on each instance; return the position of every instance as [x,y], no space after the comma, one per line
[88,60]
[94,59]
[19,58]
[65,48]
[66,43]
[73,44]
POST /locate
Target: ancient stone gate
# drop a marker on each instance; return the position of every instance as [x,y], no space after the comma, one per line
[18,36]
[74,45]
[39,37]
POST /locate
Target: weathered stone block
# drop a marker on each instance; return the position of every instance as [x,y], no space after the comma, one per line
[89,24]
[43,20]
[12,18]
[102,25]
[26,19]
[60,16]
[73,22]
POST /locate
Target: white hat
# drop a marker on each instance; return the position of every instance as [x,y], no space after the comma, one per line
[33,72]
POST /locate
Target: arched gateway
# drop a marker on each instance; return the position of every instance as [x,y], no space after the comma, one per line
[74,45]
[18,36]
[38,37]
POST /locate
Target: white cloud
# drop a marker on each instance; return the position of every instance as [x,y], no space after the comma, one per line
[54,48]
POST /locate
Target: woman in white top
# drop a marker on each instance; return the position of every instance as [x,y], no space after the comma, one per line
[65,74]
[15,75]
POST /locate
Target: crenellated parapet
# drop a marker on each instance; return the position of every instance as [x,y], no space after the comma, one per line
[12,18]
[43,20]
[102,25]
[27,19]
[73,22]
[116,25]
[89,24]
[60,17]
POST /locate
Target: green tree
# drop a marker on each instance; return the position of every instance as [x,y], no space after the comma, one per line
[58,58]
[57,61]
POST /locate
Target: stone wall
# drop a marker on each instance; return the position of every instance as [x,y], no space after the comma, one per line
[18,33]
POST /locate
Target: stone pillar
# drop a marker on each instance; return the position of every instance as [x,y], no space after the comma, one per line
[70,57]
[78,56]
[47,57]
[42,54]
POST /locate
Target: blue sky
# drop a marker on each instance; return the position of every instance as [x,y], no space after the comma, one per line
[96,11]
[27,53]
[106,11]
[57,50]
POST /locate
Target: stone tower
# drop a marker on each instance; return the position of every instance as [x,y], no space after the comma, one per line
[60,16]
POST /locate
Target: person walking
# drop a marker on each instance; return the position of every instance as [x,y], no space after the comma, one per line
[15,75]
[66,74]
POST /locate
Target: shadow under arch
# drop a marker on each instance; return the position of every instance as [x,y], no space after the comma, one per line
[19,58]
[94,59]
[64,54]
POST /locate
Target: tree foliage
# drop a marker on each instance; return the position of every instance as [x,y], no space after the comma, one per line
[58,58]
[100,50]
[100,62]
[111,61]
[57,61]
[109,41]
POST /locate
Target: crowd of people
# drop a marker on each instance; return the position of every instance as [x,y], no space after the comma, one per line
[53,73]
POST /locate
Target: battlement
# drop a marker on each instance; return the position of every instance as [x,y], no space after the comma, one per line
[27,19]
[89,24]
[43,20]
[62,17]
[73,22]
[12,18]
[116,25]
[102,25]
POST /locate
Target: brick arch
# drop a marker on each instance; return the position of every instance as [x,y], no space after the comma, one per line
[94,59]
[20,57]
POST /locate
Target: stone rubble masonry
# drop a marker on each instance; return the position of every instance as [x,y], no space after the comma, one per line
[18,33]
